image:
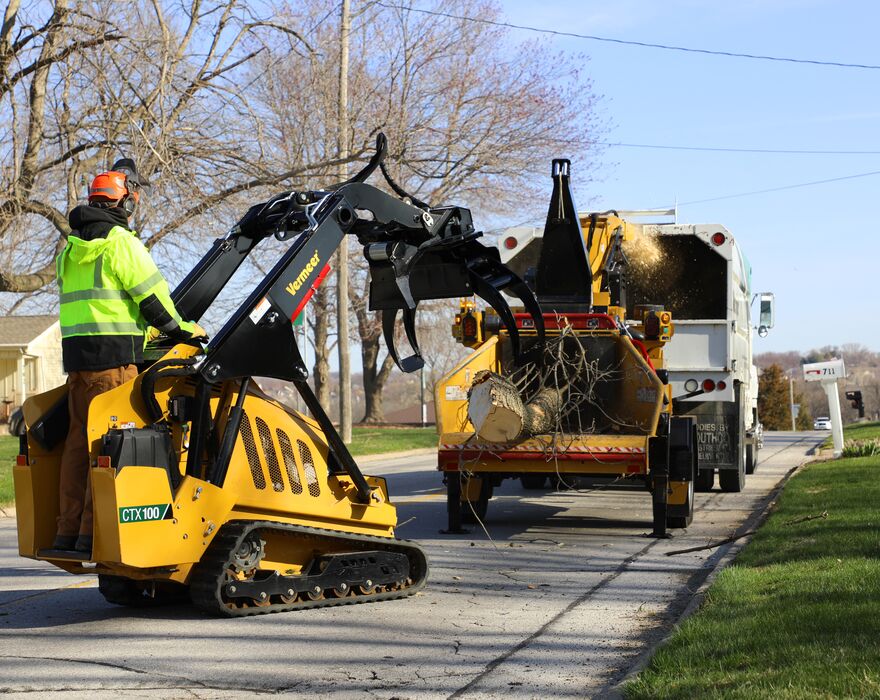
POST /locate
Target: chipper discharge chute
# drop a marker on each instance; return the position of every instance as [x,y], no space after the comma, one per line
[592,401]
[204,486]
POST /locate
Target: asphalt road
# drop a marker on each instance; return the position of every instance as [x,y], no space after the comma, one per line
[556,599]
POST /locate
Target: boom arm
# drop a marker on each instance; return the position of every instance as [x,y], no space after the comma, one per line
[414,254]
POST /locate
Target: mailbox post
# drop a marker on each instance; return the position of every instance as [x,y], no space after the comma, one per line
[828,374]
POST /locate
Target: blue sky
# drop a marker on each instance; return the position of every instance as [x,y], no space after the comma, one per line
[816,247]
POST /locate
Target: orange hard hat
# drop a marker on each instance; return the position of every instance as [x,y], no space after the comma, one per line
[110,187]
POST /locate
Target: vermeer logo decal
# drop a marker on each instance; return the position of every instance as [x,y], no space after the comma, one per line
[294,286]
[142,514]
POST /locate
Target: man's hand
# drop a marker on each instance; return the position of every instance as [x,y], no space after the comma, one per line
[198,331]
[153,333]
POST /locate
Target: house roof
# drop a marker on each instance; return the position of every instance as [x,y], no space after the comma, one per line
[19,331]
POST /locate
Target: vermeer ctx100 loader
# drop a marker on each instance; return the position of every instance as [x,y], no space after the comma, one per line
[204,485]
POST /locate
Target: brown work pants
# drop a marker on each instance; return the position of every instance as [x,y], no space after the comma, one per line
[75,513]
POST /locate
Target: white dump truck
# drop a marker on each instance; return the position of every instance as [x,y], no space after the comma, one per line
[699,274]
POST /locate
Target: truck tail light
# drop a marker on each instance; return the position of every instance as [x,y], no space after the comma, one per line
[718,238]
[721,386]
[21,460]
[708,385]
[510,242]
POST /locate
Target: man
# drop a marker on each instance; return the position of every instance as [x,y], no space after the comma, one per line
[111,293]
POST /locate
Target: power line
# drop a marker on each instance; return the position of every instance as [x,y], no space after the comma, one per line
[779,189]
[643,44]
[736,150]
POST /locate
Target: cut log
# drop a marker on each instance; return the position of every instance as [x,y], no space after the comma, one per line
[498,413]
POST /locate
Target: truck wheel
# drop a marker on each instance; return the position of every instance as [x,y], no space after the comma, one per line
[474,511]
[751,459]
[734,480]
[533,482]
[680,521]
[682,516]
[705,480]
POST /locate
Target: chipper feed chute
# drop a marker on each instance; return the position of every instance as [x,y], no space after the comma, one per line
[204,486]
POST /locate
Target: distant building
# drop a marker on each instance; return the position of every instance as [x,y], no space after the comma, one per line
[30,359]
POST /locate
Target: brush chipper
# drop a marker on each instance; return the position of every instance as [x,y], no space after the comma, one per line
[593,400]
[205,487]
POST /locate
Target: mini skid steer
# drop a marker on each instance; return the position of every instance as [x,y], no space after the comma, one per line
[204,486]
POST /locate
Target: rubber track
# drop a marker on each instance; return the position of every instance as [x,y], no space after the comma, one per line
[209,574]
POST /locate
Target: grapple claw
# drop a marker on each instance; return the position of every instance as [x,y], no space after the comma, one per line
[414,362]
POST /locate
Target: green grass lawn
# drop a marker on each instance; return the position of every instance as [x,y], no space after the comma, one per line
[858,431]
[365,441]
[798,614]
[8,451]
[374,440]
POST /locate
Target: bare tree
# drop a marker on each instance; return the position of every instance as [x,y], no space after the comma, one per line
[83,82]
[472,122]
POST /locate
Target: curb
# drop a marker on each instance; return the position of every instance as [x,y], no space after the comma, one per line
[729,552]
[370,459]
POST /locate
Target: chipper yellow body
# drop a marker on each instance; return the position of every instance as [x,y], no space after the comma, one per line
[595,398]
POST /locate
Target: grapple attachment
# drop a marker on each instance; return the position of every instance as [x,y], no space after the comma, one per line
[447,264]
[415,253]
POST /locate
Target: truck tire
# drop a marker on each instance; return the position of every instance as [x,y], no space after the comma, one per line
[705,480]
[681,521]
[751,458]
[734,480]
[533,482]
[682,516]
[475,511]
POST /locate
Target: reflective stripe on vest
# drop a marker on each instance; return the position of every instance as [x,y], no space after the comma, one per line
[102,328]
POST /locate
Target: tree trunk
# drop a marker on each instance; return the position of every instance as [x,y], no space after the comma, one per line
[375,377]
[498,413]
[321,373]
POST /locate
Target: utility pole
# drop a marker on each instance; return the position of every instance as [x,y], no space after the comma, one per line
[791,400]
[342,254]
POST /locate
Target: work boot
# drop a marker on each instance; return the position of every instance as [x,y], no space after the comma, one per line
[83,544]
[65,542]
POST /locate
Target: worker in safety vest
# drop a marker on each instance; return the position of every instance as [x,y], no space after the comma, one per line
[112,296]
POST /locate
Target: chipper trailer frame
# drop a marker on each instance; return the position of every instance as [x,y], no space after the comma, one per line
[607,394]
[204,486]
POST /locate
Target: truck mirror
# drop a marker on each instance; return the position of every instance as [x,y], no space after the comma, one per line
[766,313]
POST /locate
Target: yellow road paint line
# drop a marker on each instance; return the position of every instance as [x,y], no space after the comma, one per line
[420,499]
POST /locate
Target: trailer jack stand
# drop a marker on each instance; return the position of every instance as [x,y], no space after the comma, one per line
[659,496]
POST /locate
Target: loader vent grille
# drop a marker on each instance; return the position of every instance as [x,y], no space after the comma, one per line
[289,463]
[271,456]
[305,455]
[250,448]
